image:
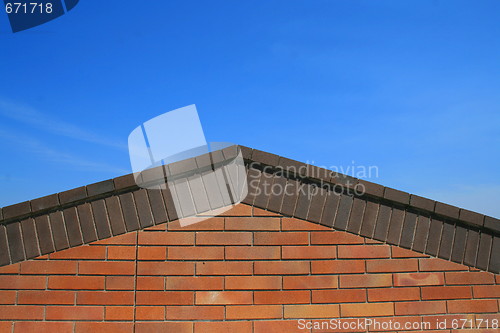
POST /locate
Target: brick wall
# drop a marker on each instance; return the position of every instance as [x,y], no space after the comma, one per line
[249,271]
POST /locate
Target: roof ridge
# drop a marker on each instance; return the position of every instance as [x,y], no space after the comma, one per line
[352,194]
[126,183]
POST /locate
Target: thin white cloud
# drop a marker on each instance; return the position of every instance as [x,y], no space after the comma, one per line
[35,146]
[30,116]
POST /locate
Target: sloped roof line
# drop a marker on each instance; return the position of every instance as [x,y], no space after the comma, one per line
[318,195]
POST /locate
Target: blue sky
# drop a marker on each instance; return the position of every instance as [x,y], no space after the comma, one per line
[409,87]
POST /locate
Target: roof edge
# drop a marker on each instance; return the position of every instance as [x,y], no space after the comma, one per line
[383,193]
[116,206]
[126,183]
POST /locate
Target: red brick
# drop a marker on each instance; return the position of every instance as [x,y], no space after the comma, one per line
[282,297]
[281,267]
[448,292]
[338,296]
[45,297]
[194,283]
[338,266]
[177,327]
[254,311]
[238,210]
[223,297]
[224,268]
[106,268]
[440,265]
[22,282]
[215,223]
[420,308]
[42,257]
[399,252]
[261,212]
[252,252]
[472,306]
[150,283]
[125,239]
[391,265]
[166,238]
[310,282]
[469,278]
[6,326]
[317,328]
[120,282]
[388,322]
[10,269]
[122,313]
[42,327]
[74,312]
[81,252]
[165,297]
[281,238]
[104,327]
[121,252]
[48,267]
[150,313]
[312,311]
[76,282]
[223,238]
[252,282]
[152,253]
[393,294]
[252,223]
[485,320]
[223,327]
[363,251]
[448,321]
[486,291]
[277,326]
[8,296]
[195,253]
[309,252]
[418,279]
[21,312]
[372,241]
[158,227]
[293,224]
[366,281]
[335,237]
[105,298]
[165,268]
[195,312]
[367,310]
